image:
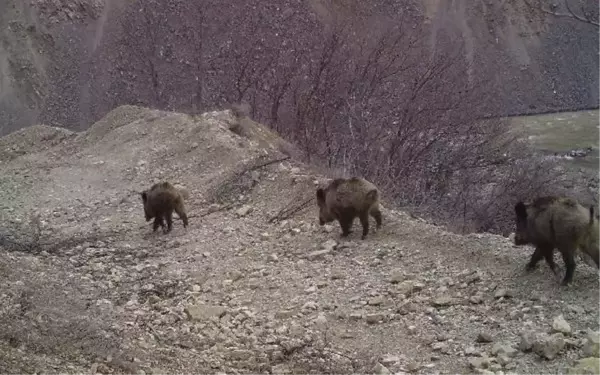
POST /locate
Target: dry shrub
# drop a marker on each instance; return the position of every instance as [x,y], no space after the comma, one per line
[362,92]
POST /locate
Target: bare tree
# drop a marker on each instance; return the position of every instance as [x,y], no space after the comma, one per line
[584,11]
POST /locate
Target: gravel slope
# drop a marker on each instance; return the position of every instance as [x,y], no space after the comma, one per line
[92,289]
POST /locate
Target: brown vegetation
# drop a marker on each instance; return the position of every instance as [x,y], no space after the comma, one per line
[363,93]
[357,89]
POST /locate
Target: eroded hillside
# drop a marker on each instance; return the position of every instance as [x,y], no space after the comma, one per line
[68,62]
[87,287]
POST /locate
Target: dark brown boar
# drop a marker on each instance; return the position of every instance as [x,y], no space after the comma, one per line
[561,223]
[345,199]
[159,203]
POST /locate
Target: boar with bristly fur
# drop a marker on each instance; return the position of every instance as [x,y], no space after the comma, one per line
[561,223]
[345,199]
[159,203]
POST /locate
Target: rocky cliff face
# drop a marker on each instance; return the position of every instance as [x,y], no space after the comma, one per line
[539,63]
[68,62]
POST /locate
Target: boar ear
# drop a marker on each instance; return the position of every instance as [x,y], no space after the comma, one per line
[521,210]
[320,195]
[144,196]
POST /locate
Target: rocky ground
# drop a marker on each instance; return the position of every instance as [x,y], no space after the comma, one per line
[85,286]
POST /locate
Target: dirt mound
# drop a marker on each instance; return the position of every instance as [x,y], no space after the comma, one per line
[31,139]
[254,284]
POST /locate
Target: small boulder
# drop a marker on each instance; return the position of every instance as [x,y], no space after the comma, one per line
[559,324]
[591,344]
[548,347]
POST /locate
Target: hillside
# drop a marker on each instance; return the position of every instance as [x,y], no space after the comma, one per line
[68,62]
[87,287]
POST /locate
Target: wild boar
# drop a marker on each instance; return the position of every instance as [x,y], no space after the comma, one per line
[345,199]
[551,222]
[159,203]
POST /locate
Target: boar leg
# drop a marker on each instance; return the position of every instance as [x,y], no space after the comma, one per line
[169,217]
[537,255]
[182,215]
[158,221]
[346,224]
[549,256]
[569,259]
[377,216]
[364,220]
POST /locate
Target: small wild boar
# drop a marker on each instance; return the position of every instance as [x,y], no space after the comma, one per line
[557,222]
[344,199]
[159,203]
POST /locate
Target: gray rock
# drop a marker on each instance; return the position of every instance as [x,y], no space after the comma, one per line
[527,340]
[591,344]
[241,355]
[381,369]
[484,337]
[244,210]
[503,293]
[443,301]
[314,255]
[390,360]
[321,320]
[406,287]
[329,245]
[472,351]
[476,299]
[374,318]
[504,349]
[478,362]
[202,312]
[397,276]
[281,369]
[375,301]
[576,309]
[559,324]
[548,346]
[442,347]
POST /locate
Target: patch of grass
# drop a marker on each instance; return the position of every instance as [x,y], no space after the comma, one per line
[561,132]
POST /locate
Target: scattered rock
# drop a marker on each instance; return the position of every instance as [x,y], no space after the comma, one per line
[591,344]
[202,312]
[329,245]
[478,362]
[374,318]
[244,210]
[375,301]
[484,337]
[396,276]
[442,347]
[443,301]
[527,340]
[319,254]
[281,368]
[503,293]
[381,369]
[559,324]
[504,349]
[548,346]
[390,360]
